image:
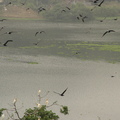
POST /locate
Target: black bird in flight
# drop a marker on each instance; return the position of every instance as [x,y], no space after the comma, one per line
[36,43]
[101,3]
[22,3]
[102,19]
[78,18]
[61,94]
[107,32]
[112,76]
[68,8]
[83,18]
[95,1]
[27,9]
[9,3]
[5,44]
[9,32]
[80,15]
[63,11]
[39,32]
[2,28]
[40,9]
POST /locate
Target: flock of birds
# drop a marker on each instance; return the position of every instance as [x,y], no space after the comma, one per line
[98,3]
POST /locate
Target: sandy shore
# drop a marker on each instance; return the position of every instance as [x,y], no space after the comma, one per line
[91,91]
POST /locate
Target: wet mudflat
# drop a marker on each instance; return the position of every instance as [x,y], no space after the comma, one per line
[69,55]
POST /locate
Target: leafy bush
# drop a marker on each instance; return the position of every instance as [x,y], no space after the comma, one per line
[42,113]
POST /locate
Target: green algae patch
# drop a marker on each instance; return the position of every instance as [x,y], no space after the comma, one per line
[32,62]
[99,47]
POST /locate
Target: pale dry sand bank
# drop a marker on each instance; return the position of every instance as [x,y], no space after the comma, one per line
[91,91]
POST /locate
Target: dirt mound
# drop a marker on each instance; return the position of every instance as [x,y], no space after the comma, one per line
[19,12]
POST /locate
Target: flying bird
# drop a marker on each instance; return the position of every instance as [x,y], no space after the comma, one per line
[36,43]
[9,32]
[78,18]
[5,44]
[107,32]
[68,8]
[27,9]
[36,33]
[102,19]
[101,3]
[23,3]
[83,19]
[9,3]
[42,32]
[39,32]
[40,9]
[1,28]
[80,15]
[112,76]
[63,10]
[61,94]
[95,1]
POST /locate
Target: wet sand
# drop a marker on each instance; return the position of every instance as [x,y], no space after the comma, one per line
[91,90]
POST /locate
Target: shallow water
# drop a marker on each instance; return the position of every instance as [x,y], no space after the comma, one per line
[53,65]
[58,36]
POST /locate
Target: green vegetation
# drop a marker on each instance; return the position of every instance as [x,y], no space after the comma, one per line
[54,8]
[108,51]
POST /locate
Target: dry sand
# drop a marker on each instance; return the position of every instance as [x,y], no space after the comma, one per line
[91,90]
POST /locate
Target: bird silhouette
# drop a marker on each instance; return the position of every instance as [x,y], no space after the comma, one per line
[68,8]
[78,18]
[107,32]
[23,3]
[40,9]
[9,32]
[42,32]
[112,76]
[80,15]
[39,32]
[5,44]
[36,43]
[101,3]
[2,28]
[27,9]
[83,18]
[9,3]
[36,33]
[63,11]
[95,1]
[103,19]
[61,94]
